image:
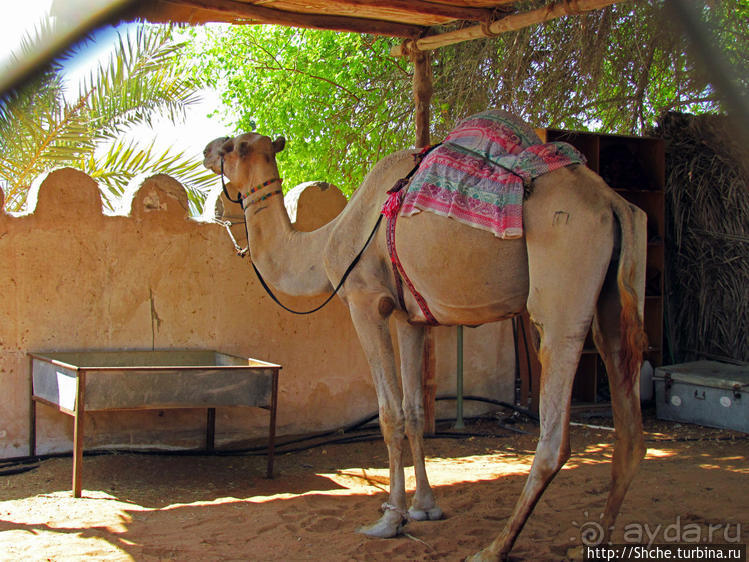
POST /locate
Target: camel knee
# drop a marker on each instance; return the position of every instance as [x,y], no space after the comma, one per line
[631,450]
[639,449]
[551,455]
[550,464]
[414,415]
[392,423]
[415,426]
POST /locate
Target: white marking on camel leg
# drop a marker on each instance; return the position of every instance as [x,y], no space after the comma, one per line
[374,334]
[411,345]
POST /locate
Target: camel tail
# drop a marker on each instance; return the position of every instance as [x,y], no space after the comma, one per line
[631,283]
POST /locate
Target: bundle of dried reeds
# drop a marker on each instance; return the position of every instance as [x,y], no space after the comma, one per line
[707,249]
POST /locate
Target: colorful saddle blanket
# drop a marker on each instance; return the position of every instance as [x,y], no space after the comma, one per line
[478,174]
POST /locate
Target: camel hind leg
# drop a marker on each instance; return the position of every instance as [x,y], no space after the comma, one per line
[564,287]
[612,331]
[629,446]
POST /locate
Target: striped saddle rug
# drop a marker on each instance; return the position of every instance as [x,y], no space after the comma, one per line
[478,174]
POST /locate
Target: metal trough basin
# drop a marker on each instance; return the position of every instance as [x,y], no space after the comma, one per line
[95,381]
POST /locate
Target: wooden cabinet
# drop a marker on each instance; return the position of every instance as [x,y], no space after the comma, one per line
[635,168]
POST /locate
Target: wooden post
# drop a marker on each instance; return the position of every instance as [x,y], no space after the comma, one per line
[32,410]
[272,423]
[422,89]
[80,411]
[210,429]
[428,383]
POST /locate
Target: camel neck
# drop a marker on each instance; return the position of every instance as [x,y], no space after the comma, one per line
[289,260]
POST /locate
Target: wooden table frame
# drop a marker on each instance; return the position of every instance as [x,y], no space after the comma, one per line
[79,410]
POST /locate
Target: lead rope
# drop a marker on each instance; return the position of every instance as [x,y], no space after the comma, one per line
[242,252]
[335,291]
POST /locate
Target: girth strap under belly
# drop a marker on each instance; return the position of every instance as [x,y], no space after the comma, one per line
[391,210]
[400,273]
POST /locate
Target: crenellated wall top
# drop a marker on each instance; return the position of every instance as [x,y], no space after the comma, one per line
[69,194]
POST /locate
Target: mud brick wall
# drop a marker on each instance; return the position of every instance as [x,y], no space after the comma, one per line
[73,278]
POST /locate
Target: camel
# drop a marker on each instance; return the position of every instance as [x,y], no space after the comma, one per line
[588,269]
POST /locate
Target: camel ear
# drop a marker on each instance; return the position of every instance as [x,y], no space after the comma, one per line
[279,144]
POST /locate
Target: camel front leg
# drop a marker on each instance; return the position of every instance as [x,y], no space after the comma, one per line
[374,333]
[411,343]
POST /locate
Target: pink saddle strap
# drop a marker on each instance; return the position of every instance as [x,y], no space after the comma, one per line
[391,210]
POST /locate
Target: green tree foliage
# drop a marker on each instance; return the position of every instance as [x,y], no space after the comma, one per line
[339,99]
[615,70]
[41,130]
[343,102]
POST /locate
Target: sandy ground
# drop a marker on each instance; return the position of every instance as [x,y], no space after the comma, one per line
[144,507]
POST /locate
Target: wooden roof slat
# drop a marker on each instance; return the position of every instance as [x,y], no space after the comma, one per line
[412,20]
[394,10]
[503,25]
[243,12]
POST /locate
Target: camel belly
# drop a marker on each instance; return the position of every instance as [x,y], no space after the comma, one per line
[466,275]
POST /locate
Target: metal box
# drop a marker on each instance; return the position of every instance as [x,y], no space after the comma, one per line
[704,392]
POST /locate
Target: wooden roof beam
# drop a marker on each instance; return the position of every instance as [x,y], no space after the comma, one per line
[508,23]
[262,15]
[422,7]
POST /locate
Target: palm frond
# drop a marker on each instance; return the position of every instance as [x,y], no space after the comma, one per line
[124,160]
[40,130]
[138,82]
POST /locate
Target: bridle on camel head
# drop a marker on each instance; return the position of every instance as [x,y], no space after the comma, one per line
[242,252]
[242,197]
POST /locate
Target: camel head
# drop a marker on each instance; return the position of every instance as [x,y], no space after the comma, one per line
[248,158]
[211,156]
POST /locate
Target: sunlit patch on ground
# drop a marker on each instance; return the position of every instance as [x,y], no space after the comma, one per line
[443,472]
[739,470]
[655,453]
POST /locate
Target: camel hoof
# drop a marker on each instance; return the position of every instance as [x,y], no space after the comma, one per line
[388,526]
[425,514]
